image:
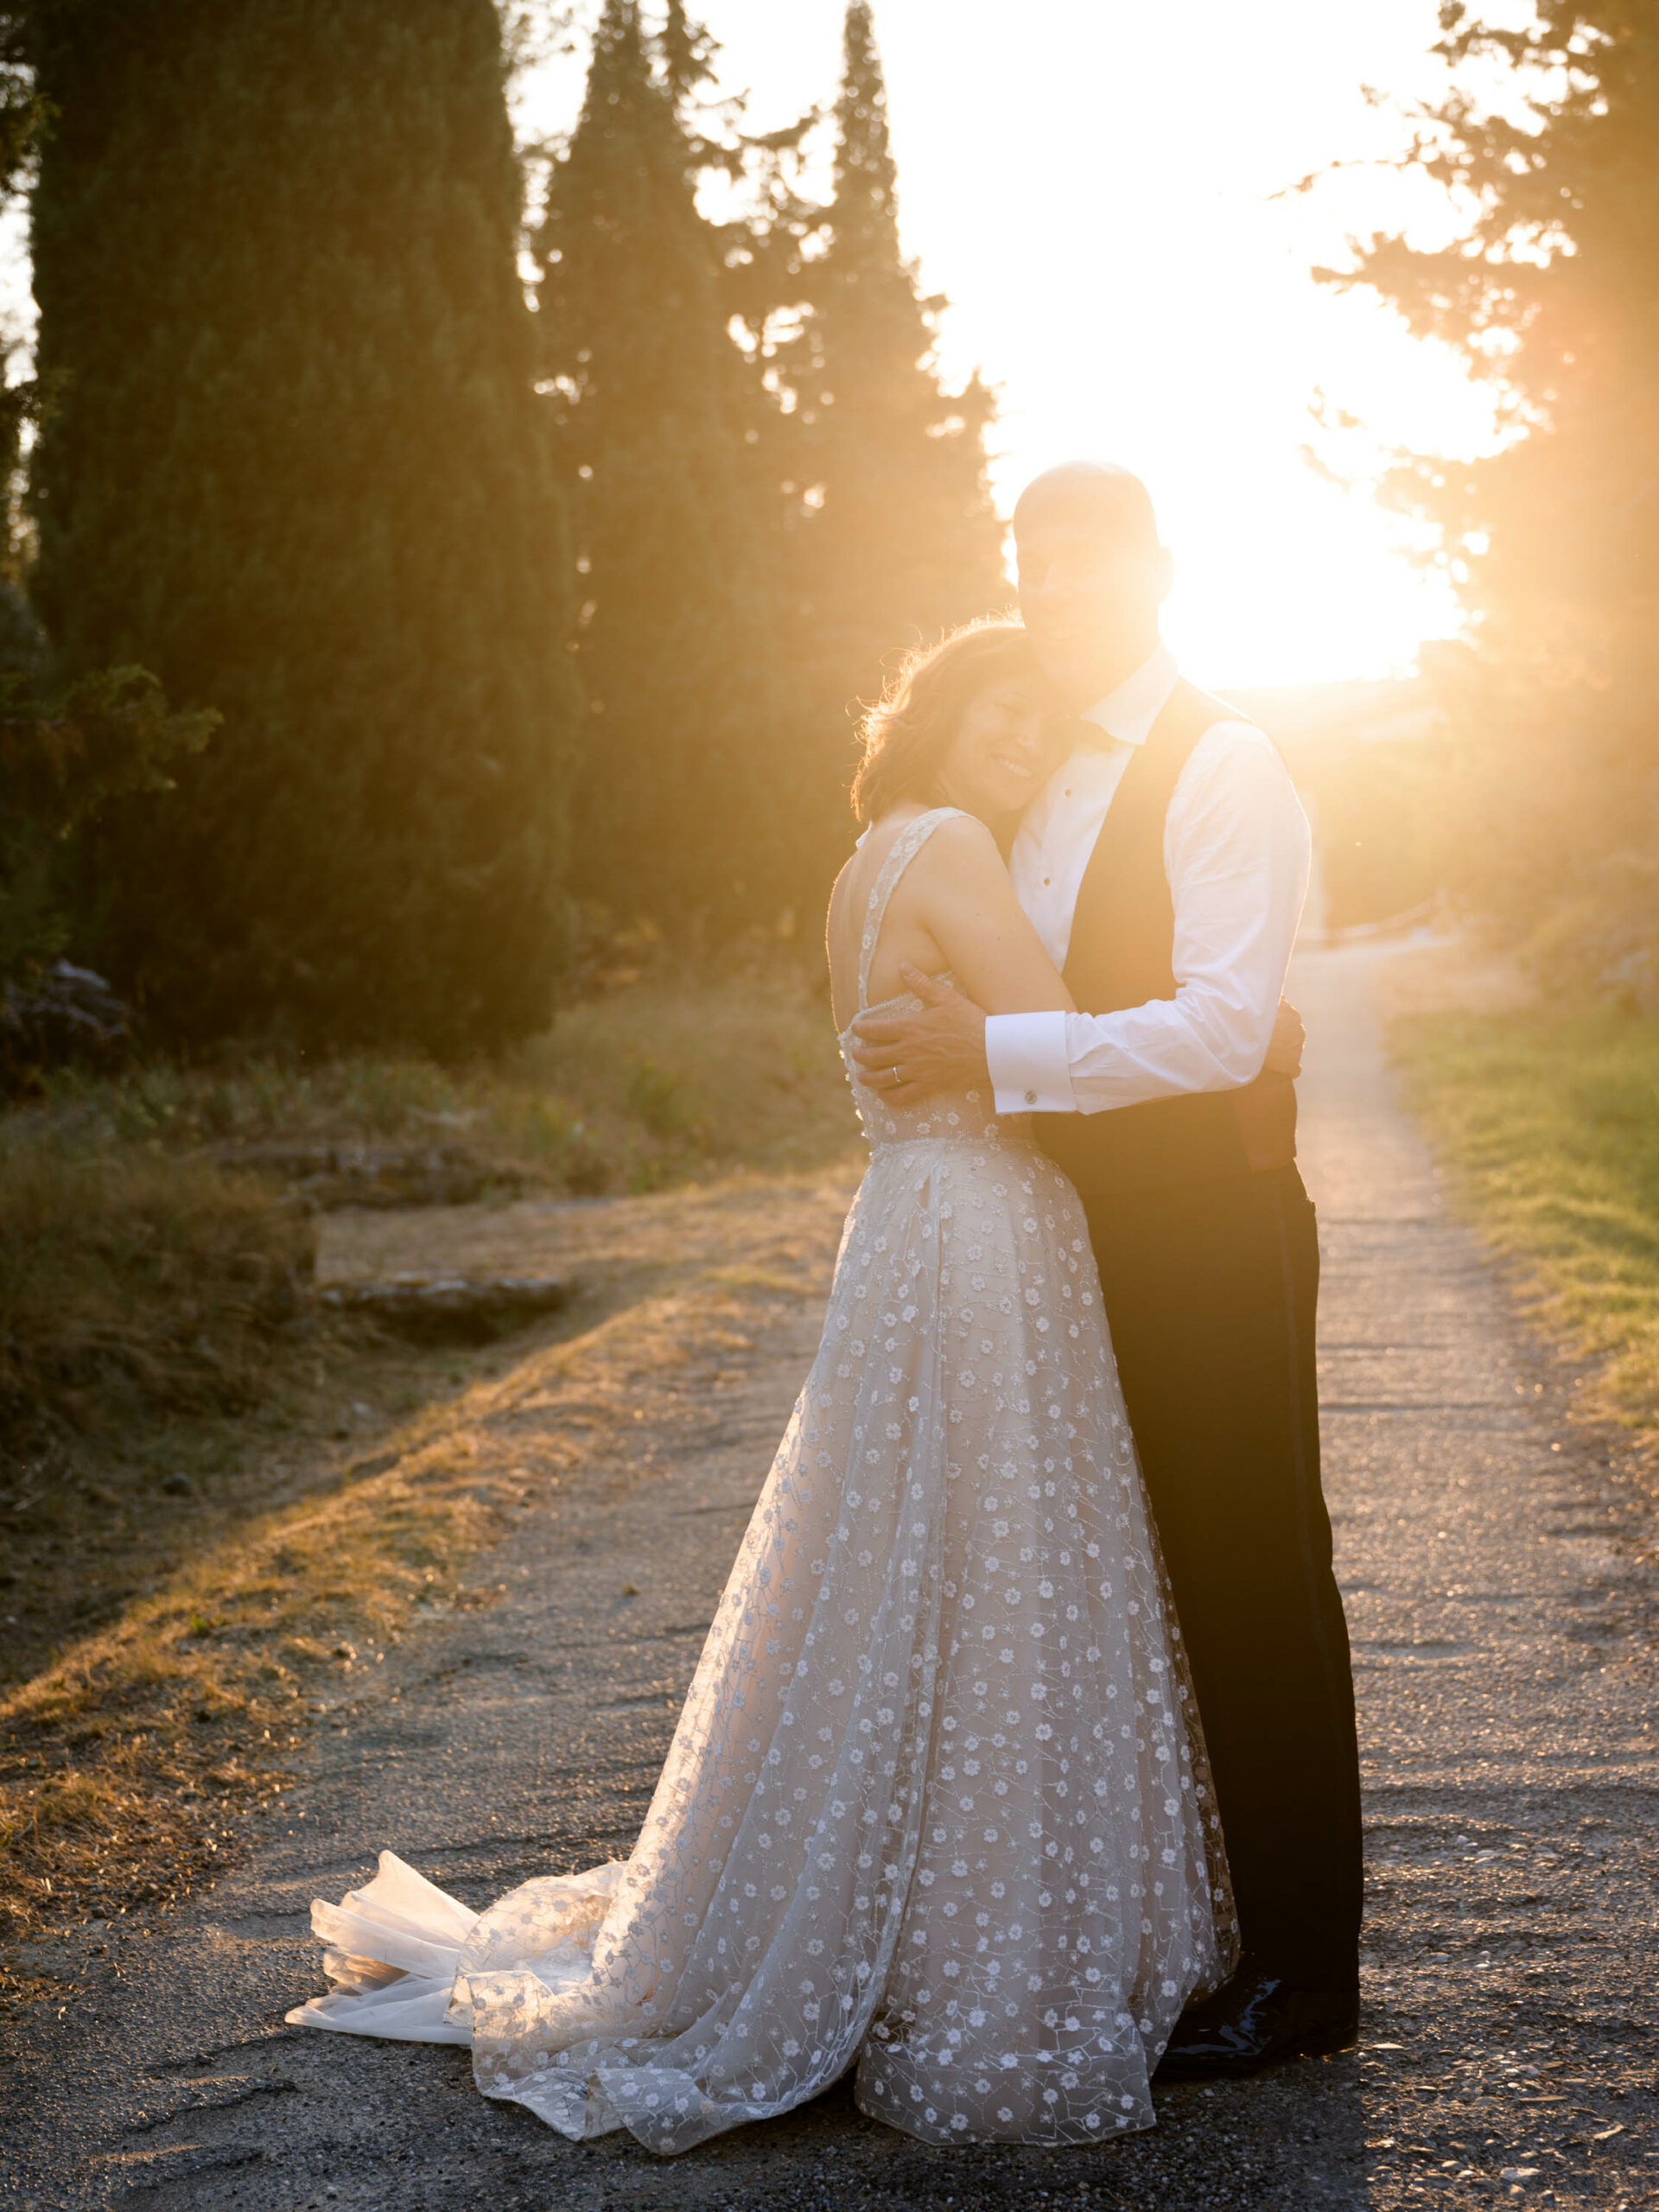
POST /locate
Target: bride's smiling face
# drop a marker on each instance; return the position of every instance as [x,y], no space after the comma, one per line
[1002,752]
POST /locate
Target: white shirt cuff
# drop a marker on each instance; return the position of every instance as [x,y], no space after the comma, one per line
[1027,1056]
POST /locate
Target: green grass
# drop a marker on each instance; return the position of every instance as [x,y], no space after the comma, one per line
[1549,1123]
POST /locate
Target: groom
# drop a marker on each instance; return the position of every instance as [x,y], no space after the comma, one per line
[1165,866]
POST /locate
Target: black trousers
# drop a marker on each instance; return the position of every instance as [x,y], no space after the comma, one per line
[1211,1291]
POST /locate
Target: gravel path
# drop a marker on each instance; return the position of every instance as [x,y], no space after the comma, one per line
[1502,1608]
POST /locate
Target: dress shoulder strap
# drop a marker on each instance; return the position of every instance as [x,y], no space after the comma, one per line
[903,849]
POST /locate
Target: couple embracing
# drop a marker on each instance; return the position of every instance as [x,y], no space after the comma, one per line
[1020,1761]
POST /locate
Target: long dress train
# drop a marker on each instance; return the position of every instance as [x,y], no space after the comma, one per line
[934,1806]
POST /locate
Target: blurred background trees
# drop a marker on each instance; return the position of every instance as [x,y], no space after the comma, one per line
[59,762]
[1552,807]
[773,492]
[905,532]
[529,565]
[895,538]
[676,634]
[294,465]
[513,580]
[65,755]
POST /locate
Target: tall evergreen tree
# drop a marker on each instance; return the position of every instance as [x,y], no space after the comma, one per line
[905,539]
[297,467]
[680,764]
[893,537]
[687,54]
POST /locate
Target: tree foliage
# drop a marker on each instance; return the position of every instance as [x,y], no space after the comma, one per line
[295,465]
[59,762]
[1554,540]
[894,537]
[762,523]
[905,540]
[309,456]
[112,735]
[680,759]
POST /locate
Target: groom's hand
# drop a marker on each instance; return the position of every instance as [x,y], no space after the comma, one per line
[1285,1046]
[908,1057]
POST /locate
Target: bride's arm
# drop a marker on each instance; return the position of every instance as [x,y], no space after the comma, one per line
[965,902]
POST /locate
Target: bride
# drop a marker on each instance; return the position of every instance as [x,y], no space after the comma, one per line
[935,1808]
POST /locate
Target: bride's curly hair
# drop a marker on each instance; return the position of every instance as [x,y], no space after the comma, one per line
[908,732]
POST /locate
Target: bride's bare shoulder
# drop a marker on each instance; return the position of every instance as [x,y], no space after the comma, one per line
[963,836]
[959,840]
[962,852]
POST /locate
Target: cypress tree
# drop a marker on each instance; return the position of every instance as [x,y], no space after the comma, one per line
[686,51]
[887,534]
[678,768]
[296,467]
[898,538]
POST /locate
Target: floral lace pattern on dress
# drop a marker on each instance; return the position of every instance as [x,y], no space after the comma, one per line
[932,1808]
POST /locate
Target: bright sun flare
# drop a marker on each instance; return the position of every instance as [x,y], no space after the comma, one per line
[1100,190]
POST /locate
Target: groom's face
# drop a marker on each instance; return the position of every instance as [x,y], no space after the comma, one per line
[1090,596]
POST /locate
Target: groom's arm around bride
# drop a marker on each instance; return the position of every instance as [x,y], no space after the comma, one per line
[1164,866]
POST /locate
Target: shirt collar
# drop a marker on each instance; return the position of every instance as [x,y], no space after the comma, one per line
[1129,713]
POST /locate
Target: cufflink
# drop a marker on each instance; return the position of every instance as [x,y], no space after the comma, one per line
[1031,1098]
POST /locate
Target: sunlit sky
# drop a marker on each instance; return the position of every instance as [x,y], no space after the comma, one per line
[1093,184]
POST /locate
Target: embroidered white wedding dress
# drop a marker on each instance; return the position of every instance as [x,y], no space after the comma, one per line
[933,1808]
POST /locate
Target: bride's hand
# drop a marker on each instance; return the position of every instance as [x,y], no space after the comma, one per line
[908,1057]
[1285,1046]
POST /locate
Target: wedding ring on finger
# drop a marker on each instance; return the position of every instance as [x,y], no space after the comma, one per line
[897,1079]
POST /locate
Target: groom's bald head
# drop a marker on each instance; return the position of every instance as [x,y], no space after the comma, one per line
[1092,575]
[1096,496]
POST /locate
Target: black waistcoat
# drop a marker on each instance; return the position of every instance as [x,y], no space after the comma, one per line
[1121,954]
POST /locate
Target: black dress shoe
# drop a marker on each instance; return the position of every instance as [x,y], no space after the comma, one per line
[1259,2018]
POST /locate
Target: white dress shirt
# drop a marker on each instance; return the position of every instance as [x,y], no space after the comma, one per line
[1237,852]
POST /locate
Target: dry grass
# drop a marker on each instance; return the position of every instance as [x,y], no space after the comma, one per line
[128,1767]
[155,1339]
[221,1516]
[149,1307]
[132,1282]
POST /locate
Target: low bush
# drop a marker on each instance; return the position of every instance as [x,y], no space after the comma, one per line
[663,1081]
